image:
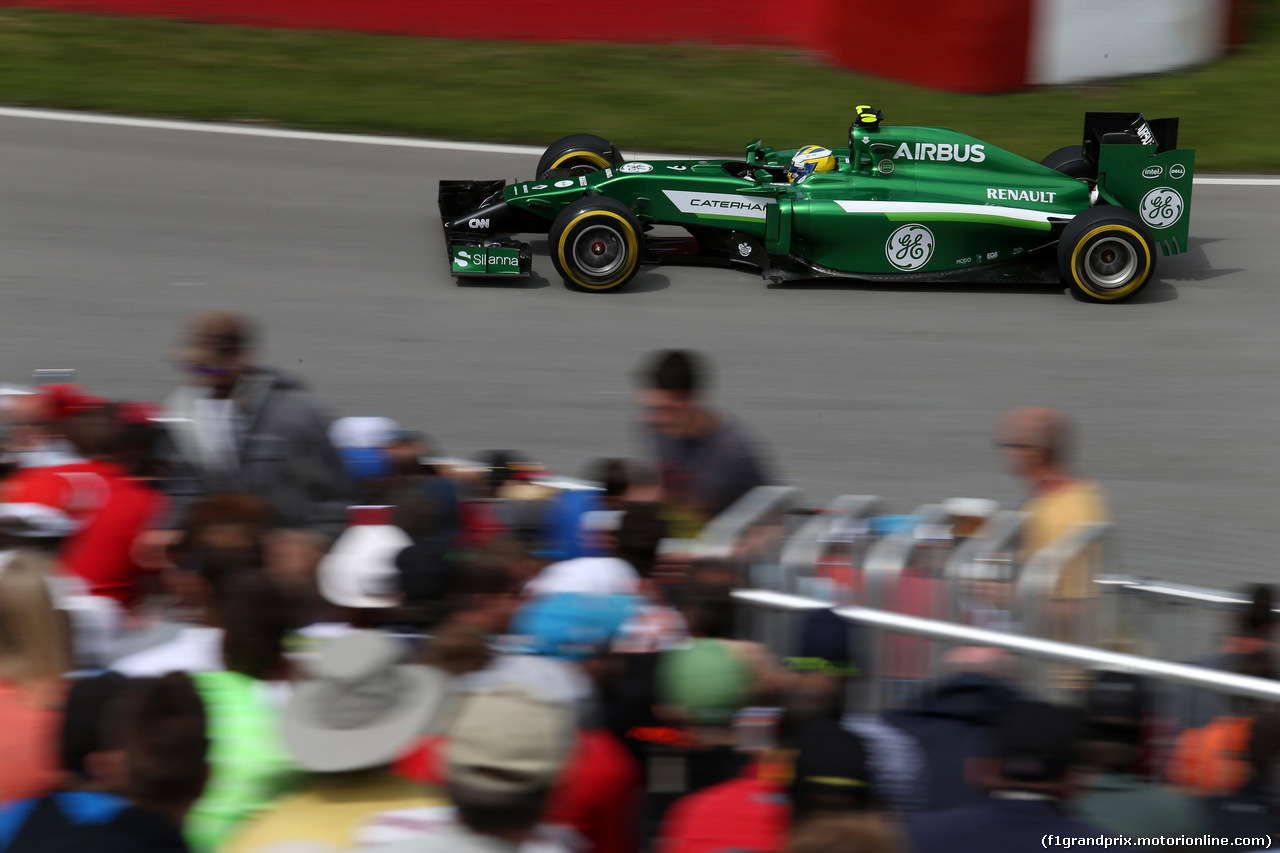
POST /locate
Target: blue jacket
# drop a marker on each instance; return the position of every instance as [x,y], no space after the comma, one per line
[953,723]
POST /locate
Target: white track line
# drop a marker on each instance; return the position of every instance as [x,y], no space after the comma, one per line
[1242,181]
[271,132]
[403,141]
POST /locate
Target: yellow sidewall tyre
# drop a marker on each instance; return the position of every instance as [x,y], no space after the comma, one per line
[596,244]
[1106,254]
[578,154]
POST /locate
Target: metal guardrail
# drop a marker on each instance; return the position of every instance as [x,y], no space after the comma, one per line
[802,551]
[1035,647]
[890,557]
[723,533]
[1159,618]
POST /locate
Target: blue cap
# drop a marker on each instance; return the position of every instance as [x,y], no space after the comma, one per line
[363,463]
[570,625]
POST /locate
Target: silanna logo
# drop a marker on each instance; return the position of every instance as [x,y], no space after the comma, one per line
[941,152]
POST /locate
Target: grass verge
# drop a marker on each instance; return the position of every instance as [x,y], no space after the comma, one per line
[667,98]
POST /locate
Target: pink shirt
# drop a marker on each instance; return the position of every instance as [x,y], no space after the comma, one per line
[29,735]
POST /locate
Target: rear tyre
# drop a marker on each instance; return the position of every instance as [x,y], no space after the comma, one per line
[596,243]
[580,153]
[1106,255]
[1070,162]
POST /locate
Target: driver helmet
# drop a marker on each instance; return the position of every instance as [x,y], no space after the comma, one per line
[810,159]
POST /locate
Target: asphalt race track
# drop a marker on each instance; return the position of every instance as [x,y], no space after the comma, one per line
[111,235]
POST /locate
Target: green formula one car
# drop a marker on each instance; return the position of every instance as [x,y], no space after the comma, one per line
[900,203]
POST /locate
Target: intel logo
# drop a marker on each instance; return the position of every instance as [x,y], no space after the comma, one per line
[1177,170]
[1153,171]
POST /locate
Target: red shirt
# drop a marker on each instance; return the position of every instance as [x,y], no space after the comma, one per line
[111,508]
[75,488]
[597,794]
[747,813]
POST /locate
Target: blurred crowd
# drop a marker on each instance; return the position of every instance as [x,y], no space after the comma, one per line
[228,623]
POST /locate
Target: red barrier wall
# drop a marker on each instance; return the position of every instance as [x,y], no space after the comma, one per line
[958,45]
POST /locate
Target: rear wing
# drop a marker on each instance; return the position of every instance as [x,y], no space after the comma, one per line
[1141,169]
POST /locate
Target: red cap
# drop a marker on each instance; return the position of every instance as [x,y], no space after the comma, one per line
[369,515]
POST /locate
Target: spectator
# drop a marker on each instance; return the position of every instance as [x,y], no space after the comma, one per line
[597,795]
[1252,630]
[569,532]
[34,654]
[241,427]
[356,711]
[85,725]
[1253,811]
[1038,443]
[832,774]
[1209,760]
[361,443]
[633,549]
[407,452]
[705,460]
[458,648]
[249,765]
[579,520]
[955,723]
[822,671]
[1029,781]
[828,774]
[487,589]
[1116,796]
[85,761]
[506,748]
[37,439]
[103,551]
[109,509]
[150,771]
[425,568]
[224,536]
[699,689]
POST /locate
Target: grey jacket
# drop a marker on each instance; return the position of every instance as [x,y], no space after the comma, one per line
[283,453]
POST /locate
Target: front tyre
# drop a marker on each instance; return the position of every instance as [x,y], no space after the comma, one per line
[596,243]
[1106,254]
[580,153]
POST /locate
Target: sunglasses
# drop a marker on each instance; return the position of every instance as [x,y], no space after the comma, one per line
[205,370]
[1010,445]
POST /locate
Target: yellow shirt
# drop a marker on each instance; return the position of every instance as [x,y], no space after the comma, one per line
[330,810]
[1054,513]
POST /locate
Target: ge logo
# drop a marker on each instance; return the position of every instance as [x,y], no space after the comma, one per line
[910,247]
[1161,207]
